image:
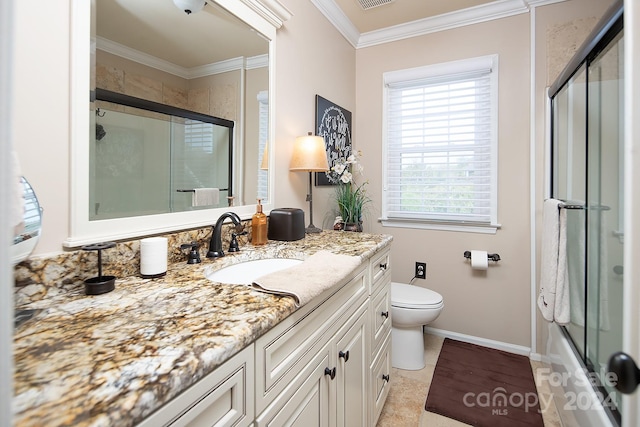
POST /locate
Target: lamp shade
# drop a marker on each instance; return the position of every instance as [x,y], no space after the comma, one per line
[309,154]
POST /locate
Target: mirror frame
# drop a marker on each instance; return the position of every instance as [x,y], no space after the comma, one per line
[265,17]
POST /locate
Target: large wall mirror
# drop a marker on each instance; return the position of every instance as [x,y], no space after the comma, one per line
[178,103]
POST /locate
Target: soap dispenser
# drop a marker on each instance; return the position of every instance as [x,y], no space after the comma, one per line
[259,226]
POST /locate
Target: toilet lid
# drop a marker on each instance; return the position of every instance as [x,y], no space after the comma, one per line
[409,296]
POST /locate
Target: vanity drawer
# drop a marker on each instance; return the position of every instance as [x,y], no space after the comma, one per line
[380,315]
[294,342]
[380,267]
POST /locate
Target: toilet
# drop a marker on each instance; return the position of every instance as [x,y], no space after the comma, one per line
[412,307]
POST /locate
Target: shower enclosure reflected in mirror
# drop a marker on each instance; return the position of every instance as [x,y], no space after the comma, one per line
[150,158]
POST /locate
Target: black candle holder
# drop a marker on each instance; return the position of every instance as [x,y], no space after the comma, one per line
[100,284]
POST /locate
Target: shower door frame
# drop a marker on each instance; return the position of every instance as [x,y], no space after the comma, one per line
[605,33]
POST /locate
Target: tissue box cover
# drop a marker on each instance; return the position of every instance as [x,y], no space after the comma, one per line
[286,224]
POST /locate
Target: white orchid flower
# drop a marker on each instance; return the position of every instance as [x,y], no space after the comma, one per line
[339,168]
[346,177]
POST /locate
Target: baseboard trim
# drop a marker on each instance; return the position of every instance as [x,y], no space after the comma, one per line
[498,345]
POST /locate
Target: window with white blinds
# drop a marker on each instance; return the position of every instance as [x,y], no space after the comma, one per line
[440,140]
[263,124]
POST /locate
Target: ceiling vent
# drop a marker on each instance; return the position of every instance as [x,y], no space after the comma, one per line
[370,4]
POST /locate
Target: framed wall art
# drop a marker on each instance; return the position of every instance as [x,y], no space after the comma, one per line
[333,123]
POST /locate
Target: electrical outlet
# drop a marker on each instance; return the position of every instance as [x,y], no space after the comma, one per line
[421,270]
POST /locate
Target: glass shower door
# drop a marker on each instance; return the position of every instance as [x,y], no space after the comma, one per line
[570,185]
[604,216]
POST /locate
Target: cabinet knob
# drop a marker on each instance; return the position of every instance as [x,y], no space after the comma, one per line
[330,372]
[383,266]
[344,355]
[385,314]
[385,378]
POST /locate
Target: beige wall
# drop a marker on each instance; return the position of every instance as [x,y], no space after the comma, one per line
[495,305]
[312,58]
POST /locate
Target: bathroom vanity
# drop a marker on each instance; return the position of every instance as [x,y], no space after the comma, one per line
[182,350]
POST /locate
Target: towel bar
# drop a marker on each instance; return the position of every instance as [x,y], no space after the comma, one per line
[193,190]
[593,208]
[492,257]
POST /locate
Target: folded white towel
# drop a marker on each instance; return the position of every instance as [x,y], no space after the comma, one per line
[310,278]
[206,197]
[553,298]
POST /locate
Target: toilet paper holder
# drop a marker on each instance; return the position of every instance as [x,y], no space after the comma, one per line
[492,257]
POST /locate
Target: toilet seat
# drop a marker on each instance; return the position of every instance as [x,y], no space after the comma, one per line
[408,296]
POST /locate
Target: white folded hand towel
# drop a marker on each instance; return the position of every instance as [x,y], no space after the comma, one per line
[310,278]
[206,197]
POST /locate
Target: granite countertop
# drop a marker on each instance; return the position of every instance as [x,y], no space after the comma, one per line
[113,359]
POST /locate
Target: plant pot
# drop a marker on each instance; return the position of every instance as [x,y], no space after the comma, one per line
[353,226]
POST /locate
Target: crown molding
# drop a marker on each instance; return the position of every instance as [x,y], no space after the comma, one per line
[336,16]
[259,61]
[474,15]
[271,10]
[233,64]
[140,57]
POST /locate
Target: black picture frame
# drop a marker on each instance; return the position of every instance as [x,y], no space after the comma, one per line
[333,124]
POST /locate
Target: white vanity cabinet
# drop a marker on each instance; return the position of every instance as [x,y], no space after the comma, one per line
[327,364]
[287,357]
[380,333]
[331,363]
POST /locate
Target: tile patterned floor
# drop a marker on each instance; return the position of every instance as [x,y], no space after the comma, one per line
[405,403]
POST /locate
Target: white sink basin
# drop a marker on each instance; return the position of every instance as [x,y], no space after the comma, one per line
[245,273]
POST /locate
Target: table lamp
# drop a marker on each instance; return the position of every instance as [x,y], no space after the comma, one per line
[309,155]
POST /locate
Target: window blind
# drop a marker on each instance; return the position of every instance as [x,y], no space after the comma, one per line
[440,143]
[263,124]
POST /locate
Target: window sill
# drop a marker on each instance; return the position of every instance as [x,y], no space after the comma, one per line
[441,226]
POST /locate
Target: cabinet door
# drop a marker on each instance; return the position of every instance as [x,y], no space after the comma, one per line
[352,371]
[308,406]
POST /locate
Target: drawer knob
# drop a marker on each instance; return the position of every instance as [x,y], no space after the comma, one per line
[344,355]
[385,378]
[383,266]
[385,314]
[330,372]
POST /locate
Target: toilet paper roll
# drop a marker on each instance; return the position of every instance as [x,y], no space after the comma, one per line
[153,257]
[479,260]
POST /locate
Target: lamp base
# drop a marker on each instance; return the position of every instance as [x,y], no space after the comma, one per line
[312,229]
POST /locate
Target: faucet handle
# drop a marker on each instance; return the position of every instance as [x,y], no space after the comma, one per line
[194,255]
[233,246]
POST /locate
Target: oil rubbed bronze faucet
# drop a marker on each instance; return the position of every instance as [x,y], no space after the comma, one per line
[215,244]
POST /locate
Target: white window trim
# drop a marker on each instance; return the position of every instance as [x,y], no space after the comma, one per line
[431,71]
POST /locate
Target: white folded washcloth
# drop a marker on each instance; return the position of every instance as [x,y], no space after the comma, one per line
[205,197]
[310,278]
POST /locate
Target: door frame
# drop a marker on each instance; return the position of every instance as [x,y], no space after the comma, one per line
[631,281]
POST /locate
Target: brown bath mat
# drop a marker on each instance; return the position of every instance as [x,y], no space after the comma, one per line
[484,387]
